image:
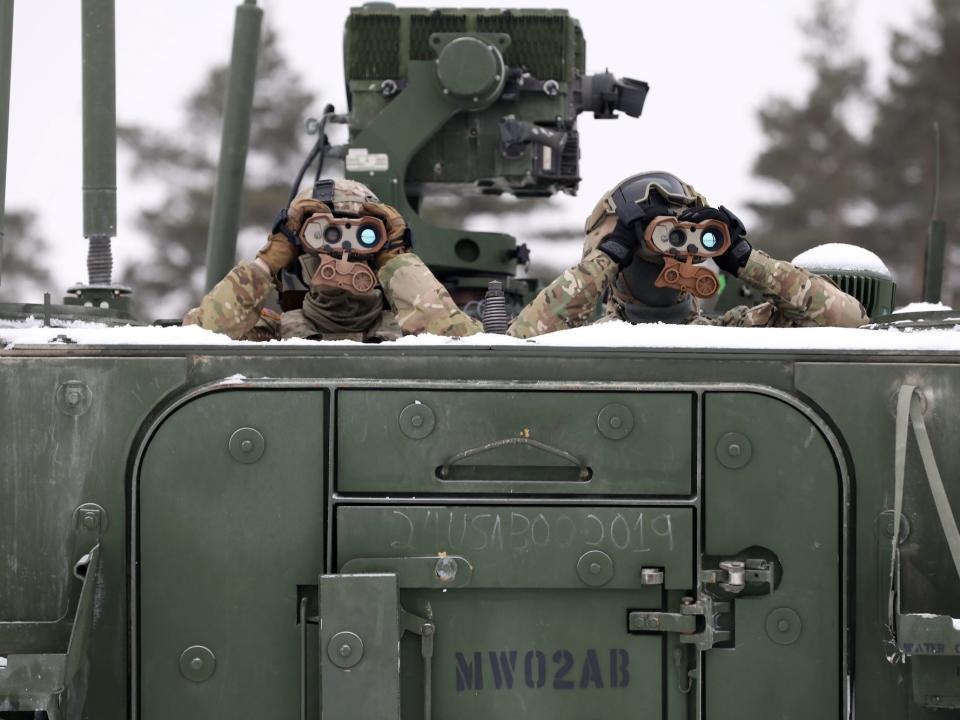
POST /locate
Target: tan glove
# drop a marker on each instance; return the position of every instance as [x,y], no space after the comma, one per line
[280,249]
[396,227]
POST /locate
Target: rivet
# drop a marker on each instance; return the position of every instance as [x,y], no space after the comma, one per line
[246,445]
[89,521]
[196,663]
[594,568]
[344,651]
[416,420]
[615,421]
[783,626]
[734,450]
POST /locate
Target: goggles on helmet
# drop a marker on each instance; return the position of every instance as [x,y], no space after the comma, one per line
[628,195]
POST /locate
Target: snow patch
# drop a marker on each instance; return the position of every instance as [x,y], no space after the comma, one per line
[917,307]
[841,257]
[614,334]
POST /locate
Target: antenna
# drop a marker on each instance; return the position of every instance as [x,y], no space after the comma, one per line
[936,234]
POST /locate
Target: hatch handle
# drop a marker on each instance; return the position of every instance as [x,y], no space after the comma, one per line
[584,472]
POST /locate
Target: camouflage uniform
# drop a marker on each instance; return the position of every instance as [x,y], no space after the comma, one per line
[795,297]
[418,303]
[410,298]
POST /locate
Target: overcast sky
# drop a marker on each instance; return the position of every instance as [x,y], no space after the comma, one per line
[710,65]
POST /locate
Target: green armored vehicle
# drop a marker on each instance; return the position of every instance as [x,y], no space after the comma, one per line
[612,522]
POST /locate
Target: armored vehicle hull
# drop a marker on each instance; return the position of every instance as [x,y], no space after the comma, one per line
[474,531]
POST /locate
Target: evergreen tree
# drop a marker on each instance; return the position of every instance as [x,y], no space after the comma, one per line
[23,278]
[183,164]
[813,158]
[922,89]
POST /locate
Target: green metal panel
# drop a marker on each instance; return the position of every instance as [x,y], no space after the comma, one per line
[862,401]
[360,647]
[527,547]
[228,531]
[533,633]
[779,491]
[631,443]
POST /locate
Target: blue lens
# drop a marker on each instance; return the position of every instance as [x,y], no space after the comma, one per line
[709,240]
[367,236]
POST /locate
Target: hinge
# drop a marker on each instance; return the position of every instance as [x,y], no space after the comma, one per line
[697,623]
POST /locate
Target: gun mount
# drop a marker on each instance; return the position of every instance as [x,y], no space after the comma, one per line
[469,102]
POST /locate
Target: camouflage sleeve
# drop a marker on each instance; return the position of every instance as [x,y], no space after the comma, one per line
[569,301]
[233,306]
[420,302]
[802,298]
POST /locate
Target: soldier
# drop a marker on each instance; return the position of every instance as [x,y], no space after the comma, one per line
[401,298]
[618,264]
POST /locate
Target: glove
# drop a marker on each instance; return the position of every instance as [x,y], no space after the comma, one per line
[621,244]
[283,243]
[398,234]
[739,251]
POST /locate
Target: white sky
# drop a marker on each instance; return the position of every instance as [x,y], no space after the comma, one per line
[710,65]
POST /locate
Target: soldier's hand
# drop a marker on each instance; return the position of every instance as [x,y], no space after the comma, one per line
[739,251]
[398,236]
[621,244]
[283,243]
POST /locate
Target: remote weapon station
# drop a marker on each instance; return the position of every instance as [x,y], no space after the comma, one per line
[417,532]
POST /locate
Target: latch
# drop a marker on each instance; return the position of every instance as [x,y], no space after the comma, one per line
[734,575]
[698,623]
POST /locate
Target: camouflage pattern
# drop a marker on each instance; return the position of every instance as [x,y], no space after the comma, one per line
[233,305]
[800,298]
[795,298]
[569,301]
[420,302]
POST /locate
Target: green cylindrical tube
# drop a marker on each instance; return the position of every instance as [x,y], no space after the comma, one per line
[225,212]
[99,119]
[933,263]
[6,47]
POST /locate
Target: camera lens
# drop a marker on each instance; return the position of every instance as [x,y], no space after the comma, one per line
[678,237]
[367,236]
[710,239]
[332,234]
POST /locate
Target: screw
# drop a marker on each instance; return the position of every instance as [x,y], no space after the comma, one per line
[196,663]
[446,569]
[344,650]
[246,445]
[733,450]
[615,422]
[417,421]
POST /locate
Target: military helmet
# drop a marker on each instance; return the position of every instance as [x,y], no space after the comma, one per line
[342,196]
[627,199]
[633,290]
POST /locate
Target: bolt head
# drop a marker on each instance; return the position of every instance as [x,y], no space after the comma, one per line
[246,445]
[595,568]
[733,450]
[89,521]
[196,663]
[783,625]
[615,422]
[344,650]
[417,421]
[73,397]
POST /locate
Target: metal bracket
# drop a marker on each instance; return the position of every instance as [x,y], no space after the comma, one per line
[34,680]
[701,615]
[734,575]
[426,630]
